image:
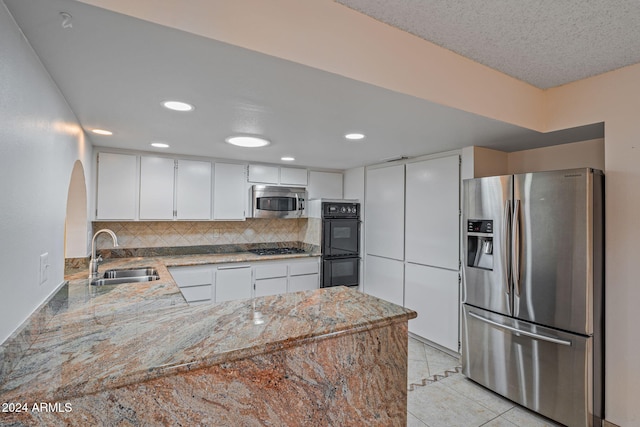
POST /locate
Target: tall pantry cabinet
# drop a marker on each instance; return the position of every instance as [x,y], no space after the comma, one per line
[384,233]
[412,243]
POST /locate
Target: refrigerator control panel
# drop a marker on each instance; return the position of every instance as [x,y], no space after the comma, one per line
[480,226]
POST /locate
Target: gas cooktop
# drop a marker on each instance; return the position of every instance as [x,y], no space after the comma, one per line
[277,251]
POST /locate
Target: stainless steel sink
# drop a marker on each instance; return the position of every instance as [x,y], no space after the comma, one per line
[126,275]
[130,272]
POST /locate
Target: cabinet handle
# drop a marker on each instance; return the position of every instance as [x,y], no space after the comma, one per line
[233,267]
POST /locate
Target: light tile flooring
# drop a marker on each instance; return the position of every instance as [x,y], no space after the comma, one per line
[448,399]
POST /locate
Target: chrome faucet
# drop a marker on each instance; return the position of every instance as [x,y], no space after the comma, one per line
[93,265]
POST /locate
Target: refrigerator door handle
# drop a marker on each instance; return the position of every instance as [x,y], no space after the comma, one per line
[515,247]
[521,332]
[506,226]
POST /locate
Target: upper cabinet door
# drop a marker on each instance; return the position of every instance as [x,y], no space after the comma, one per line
[157,176]
[293,176]
[433,212]
[193,190]
[117,184]
[230,191]
[326,185]
[384,206]
[263,174]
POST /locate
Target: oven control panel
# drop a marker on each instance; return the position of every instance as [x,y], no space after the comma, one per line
[340,210]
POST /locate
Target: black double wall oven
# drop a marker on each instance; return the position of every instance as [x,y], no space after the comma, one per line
[340,244]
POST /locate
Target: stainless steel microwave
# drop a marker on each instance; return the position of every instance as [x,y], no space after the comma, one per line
[279,202]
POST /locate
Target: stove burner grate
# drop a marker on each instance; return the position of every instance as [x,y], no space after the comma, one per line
[277,251]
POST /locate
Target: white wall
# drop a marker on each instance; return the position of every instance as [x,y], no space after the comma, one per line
[40,140]
[354,184]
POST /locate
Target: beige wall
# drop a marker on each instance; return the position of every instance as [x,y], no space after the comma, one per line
[615,99]
[487,162]
[567,156]
[328,36]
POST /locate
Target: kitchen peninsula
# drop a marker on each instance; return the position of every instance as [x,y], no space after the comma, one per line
[137,354]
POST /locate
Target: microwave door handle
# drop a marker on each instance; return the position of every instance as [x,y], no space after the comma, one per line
[298,206]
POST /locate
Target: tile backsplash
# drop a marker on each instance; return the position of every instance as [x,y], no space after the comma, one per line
[153,234]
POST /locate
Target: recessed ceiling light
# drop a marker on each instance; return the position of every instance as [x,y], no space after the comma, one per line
[248,141]
[354,136]
[160,145]
[102,132]
[177,106]
[288,158]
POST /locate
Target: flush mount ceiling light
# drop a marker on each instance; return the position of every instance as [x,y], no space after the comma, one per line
[287,158]
[247,141]
[354,136]
[160,144]
[102,132]
[177,106]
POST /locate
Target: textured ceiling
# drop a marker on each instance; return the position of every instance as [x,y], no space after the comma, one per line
[546,43]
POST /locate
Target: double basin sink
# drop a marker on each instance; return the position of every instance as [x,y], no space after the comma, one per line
[126,275]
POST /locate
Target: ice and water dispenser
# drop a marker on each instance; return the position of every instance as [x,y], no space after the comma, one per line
[480,243]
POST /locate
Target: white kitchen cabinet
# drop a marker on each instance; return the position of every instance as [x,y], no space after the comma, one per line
[306,282]
[197,294]
[432,212]
[275,286]
[270,278]
[304,275]
[230,196]
[434,294]
[384,278]
[157,177]
[303,267]
[264,174]
[293,176]
[232,281]
[326,185]
[384,207]
[195,282]
[193,190]
[117,186]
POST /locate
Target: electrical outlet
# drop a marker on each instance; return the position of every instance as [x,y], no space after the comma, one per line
[44,267]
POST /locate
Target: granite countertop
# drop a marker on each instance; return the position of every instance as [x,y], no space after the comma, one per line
[110,336]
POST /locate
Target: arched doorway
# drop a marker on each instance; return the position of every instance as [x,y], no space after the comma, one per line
[76,225]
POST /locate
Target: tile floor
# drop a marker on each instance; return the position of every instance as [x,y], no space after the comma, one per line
[448,399]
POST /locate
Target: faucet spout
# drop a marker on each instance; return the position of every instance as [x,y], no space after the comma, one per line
[93,265]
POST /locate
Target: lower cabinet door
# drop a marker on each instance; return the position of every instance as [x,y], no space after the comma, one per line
[196,294]
[306,282]
[384,279]
[274,286]
[233,282]
[433,294]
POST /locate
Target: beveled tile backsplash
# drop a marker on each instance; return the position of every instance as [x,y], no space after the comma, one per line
[153,234]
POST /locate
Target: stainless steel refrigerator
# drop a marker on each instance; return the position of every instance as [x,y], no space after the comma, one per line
[533,296]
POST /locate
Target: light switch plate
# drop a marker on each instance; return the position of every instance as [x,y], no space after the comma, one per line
[44,267]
